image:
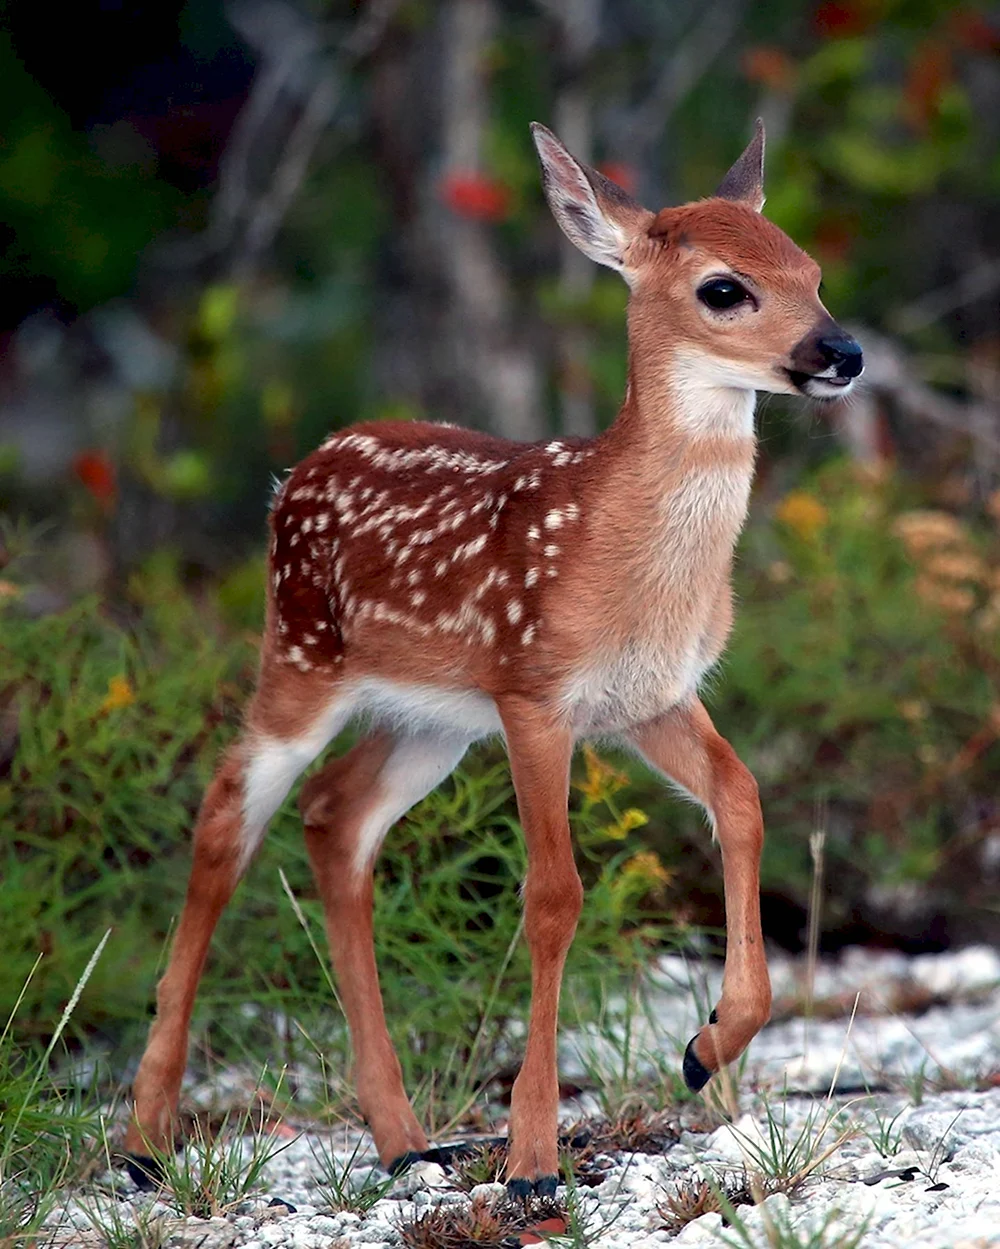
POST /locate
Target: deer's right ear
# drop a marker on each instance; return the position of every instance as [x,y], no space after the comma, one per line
[594,213]
[745,180]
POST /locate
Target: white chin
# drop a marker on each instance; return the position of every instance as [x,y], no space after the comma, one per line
[820,388]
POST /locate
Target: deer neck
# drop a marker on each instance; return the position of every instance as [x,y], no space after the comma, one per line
[679,404]
[684,450]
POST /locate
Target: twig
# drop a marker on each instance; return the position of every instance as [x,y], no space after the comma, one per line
[930,307]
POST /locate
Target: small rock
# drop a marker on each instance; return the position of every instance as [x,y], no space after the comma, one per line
[487,1192]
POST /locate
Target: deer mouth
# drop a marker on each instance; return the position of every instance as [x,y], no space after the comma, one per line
[826,385]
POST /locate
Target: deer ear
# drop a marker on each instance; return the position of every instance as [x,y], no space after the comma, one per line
[594,213]
[745,181]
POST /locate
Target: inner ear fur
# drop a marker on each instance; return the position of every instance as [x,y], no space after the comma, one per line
[594,213]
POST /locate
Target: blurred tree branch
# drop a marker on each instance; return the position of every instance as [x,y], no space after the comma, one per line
[293,99]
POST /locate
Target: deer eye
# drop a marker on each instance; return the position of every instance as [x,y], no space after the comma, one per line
[722,293]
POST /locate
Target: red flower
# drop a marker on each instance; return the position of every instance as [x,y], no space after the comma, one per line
[769,66]
[475,196]
[96,471]
[839,19]
[835,237]
[621,173]
[974,31]
[928,74]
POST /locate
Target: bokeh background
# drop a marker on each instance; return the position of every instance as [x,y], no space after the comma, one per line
[225,230]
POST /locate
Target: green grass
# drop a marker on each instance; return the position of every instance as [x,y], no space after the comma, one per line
[219,1167]
[49,1129]
[338,1187]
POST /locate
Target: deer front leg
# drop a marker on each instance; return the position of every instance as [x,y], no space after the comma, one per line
[540,750]
[684,745]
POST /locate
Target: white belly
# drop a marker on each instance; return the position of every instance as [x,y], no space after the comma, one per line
[642,681]
[427,708]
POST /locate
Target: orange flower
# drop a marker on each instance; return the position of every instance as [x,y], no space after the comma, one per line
[602,779]
[646,865]
[803,513]
[120,694]
[770,66]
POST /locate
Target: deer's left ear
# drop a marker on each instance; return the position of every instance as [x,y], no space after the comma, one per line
[745,181]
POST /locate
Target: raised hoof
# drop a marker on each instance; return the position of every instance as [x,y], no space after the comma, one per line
[696,1074]
[146,1172]
[404,1162]
[524,1190]
[448,1155]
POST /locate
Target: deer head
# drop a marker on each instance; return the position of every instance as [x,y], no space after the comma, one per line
[719,296]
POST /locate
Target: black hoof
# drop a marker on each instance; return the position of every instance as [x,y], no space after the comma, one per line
[404,1162]
[524,1190]
[448,1155]
[146,1172]
[714,1017]
[696,1074]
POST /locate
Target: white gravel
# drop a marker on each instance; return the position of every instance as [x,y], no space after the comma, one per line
[942,1148]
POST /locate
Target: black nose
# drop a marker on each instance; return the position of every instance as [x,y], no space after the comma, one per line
[843,352]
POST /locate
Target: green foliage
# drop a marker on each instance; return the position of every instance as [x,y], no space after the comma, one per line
[115,732]
[76,218]
[861,687]
[859,674]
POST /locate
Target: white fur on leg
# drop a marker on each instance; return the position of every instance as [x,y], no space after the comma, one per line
[274,763]
[417,765]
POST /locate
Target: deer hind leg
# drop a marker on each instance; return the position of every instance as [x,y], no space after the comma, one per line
[347,809]
[540,750]
[685,747]
[249,786]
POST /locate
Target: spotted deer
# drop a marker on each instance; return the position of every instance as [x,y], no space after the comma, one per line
[445,585]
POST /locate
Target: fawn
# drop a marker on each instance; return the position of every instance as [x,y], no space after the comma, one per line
[448,585]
